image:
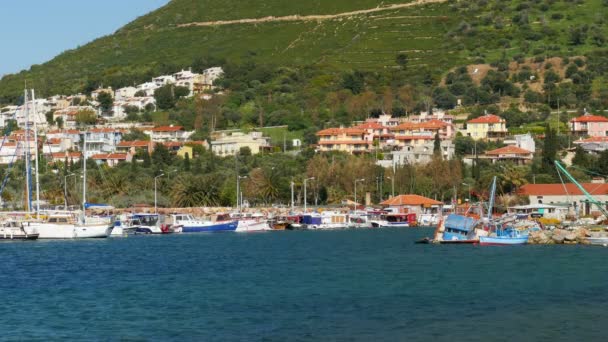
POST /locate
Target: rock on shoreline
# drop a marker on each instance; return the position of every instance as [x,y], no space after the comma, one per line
[562,236]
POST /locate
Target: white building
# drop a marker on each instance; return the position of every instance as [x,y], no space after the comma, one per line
[167,133]
[140,103]
[524,141]
[124,93]
[567,194]
[419,154]
[231,144]
[148,88]
[102,140]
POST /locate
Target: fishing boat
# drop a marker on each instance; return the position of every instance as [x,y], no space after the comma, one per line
[325,220]
[508,236]
[150,224]
[393,220]
[14,230]
[252,222]
[457,229]
[598,241]
[359,219]
[191,225]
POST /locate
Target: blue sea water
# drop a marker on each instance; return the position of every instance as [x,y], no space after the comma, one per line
[351,285]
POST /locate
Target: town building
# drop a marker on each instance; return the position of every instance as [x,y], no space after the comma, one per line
[525,141]
[111,159]
[102,140]
[487,127]
[135,146]
[510,153]
[589,125]
[413,204]
[567,194]
[351,140]
[167,133]
[413,134]
[418,154]
[230,144]
[73,157]
[95,93]
[68,115]
[593,145]
[124,93]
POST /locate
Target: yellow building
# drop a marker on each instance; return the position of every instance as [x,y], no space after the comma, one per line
[231,144]
[351,140]
[487,127]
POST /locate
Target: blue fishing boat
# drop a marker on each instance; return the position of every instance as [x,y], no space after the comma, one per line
[458,229]
[189,224]
[508,236]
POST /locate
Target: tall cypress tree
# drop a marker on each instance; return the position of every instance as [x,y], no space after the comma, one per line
[437,145]
[550,148]
[187,162]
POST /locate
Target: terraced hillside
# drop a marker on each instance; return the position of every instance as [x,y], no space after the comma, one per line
[340,35]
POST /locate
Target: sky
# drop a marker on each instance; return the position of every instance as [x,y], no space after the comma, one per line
[35,31]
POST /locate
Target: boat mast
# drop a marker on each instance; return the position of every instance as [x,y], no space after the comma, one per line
[84,175]
[36,163]
[492,195]
[27,155]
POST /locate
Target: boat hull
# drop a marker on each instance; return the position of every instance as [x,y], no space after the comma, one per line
[252,226]
[217,227]
[598,241]
[502,240]
[53,231]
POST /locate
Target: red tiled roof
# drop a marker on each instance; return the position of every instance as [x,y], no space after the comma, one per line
[591,140]
[61,155]
[53,141]
[590,118]
[106,156]
[410,200]
[509,150]
[370,125]
[414,137]
[339,131]
[558,189]
[105,130]
[167,129]
[173,144]
[135,143]
[65,131]
[488,118]
[430,125]
[345,142]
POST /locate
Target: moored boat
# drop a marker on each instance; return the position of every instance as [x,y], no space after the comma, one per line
[189,224]
[13,230]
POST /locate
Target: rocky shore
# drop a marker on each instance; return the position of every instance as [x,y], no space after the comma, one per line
[562,236]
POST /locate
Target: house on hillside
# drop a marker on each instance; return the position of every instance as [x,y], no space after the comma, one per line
[567,194]
[112,159]
[487,127]
[167,133]
[413,134]
[102,140]
[518,156]
[414,204]
[589,125]
[419,154]
[350,140]
[68,115]
[95,93]
[124,93]
[594,145]
[73,157]
[231,144]
[135,146]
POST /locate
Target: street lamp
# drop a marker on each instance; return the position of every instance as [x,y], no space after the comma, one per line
[155,187]
[306,180]
[292,202]
[238,192]
[392,185]
[65,189]
[357,180]
[469,185]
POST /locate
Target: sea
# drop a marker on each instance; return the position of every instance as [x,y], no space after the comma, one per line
[346,285]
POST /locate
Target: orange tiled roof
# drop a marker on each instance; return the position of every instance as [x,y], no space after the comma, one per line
[370,125]
[591,140]
[106,156]
[105,130]
[135,143]
[167,129]
[173,144]
[345,142]
[590,118]
[488,118]
[509,150]
[410,200]
[339,131]
[414,137]
[66,154]
[558,189]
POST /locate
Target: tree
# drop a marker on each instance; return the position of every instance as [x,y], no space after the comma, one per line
[580,157]
[353,81]
[10,126]
[167,96]
[401,60]
[140,93]
[135,134]
[59,122]
[550,148]
[161,155]
[86,117]
[437,145]
[49,118]
[187,162]
[106,102]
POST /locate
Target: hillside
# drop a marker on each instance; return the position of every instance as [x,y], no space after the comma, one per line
[435,34]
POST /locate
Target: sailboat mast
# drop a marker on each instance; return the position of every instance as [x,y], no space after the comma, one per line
[492,195]
[84,171]
[36,154]
[27,155]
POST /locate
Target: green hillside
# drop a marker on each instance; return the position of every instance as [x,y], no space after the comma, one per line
[435,36]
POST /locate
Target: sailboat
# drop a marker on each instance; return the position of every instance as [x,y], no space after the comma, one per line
[63,225]
[502,235]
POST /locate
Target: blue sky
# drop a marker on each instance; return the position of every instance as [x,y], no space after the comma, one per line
[35,31]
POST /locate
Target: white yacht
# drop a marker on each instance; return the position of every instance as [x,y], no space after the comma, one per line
[13,230]
[65,226]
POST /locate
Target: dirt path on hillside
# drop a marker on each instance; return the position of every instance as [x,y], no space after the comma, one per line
[311,17]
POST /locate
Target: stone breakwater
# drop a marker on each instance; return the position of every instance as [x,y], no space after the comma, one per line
[562,236]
